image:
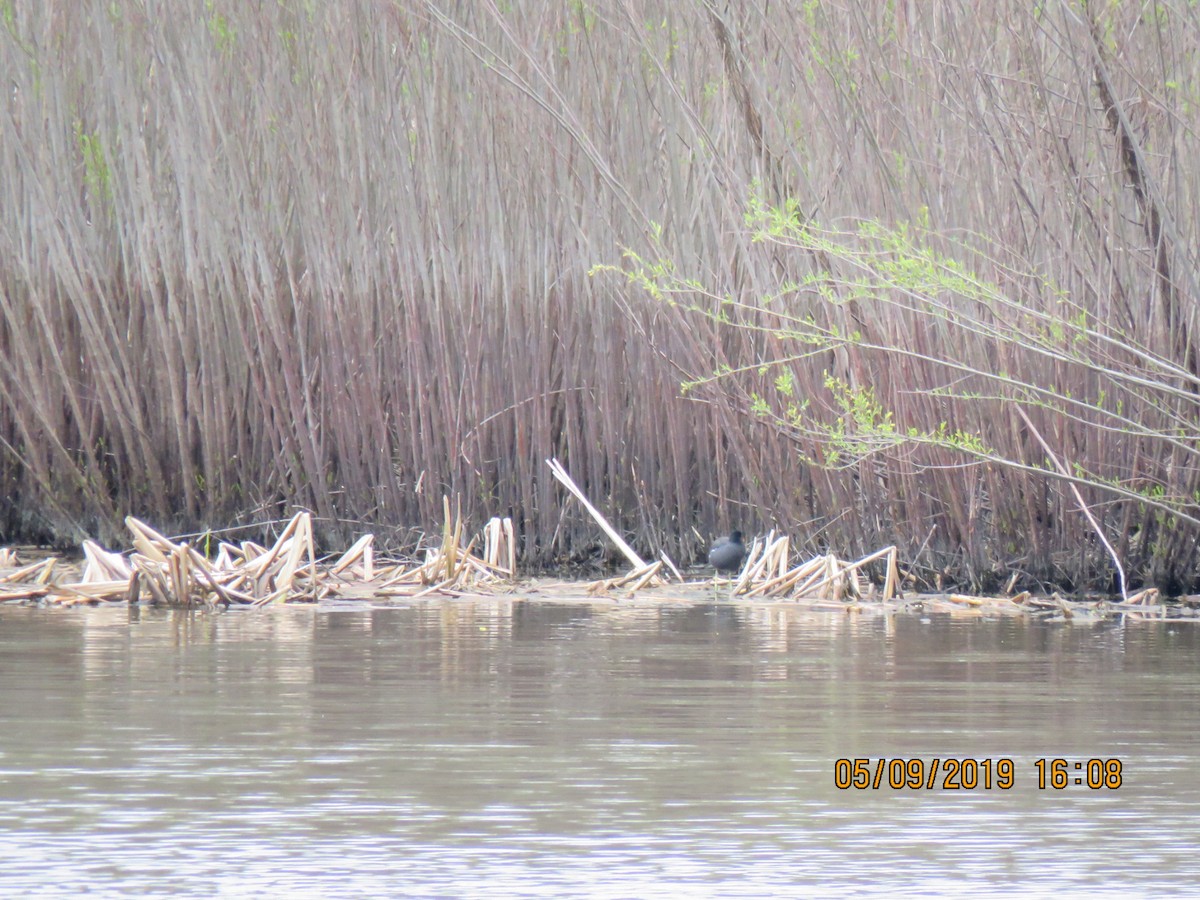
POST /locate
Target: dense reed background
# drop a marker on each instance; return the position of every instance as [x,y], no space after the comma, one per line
[341,256]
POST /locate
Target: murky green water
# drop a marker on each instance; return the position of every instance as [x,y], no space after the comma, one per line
[523,749]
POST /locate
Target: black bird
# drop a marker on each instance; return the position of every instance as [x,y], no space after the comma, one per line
[726,555]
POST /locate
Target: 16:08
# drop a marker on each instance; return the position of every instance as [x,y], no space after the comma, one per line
[1095,773]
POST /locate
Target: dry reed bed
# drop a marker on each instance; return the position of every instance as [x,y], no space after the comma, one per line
[767,573]
[168,573]
[1145,606]
[161,571]
[400,297]
[829,584]
[832,584]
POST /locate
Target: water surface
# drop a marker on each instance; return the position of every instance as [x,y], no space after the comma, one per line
[515,748]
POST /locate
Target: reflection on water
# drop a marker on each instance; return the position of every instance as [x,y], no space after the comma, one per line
[532,749]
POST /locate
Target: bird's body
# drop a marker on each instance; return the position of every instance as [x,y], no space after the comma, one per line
[726,555]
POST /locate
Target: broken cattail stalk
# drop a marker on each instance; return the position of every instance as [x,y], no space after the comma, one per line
[147,541]
[787,582]
[666,559]
[646,576]
[808,576]
[628,552]
[360,550]
[102,565]
[891,581]
[837,571]
[750,567]
[27,593]
[37,571]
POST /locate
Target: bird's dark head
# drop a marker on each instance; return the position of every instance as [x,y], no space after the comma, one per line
[735,537]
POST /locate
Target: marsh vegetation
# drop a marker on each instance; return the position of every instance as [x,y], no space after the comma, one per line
[911,274]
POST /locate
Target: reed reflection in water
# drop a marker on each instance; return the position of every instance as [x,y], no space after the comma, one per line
[523,748]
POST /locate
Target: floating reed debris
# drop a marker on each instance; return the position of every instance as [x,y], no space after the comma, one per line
[832,584]
[765,572]
[162,571]
[453,568]
[633,580]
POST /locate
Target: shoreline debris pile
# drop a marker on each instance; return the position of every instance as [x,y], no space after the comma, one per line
[161,571]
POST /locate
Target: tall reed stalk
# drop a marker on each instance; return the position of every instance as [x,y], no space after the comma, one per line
[256,256]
